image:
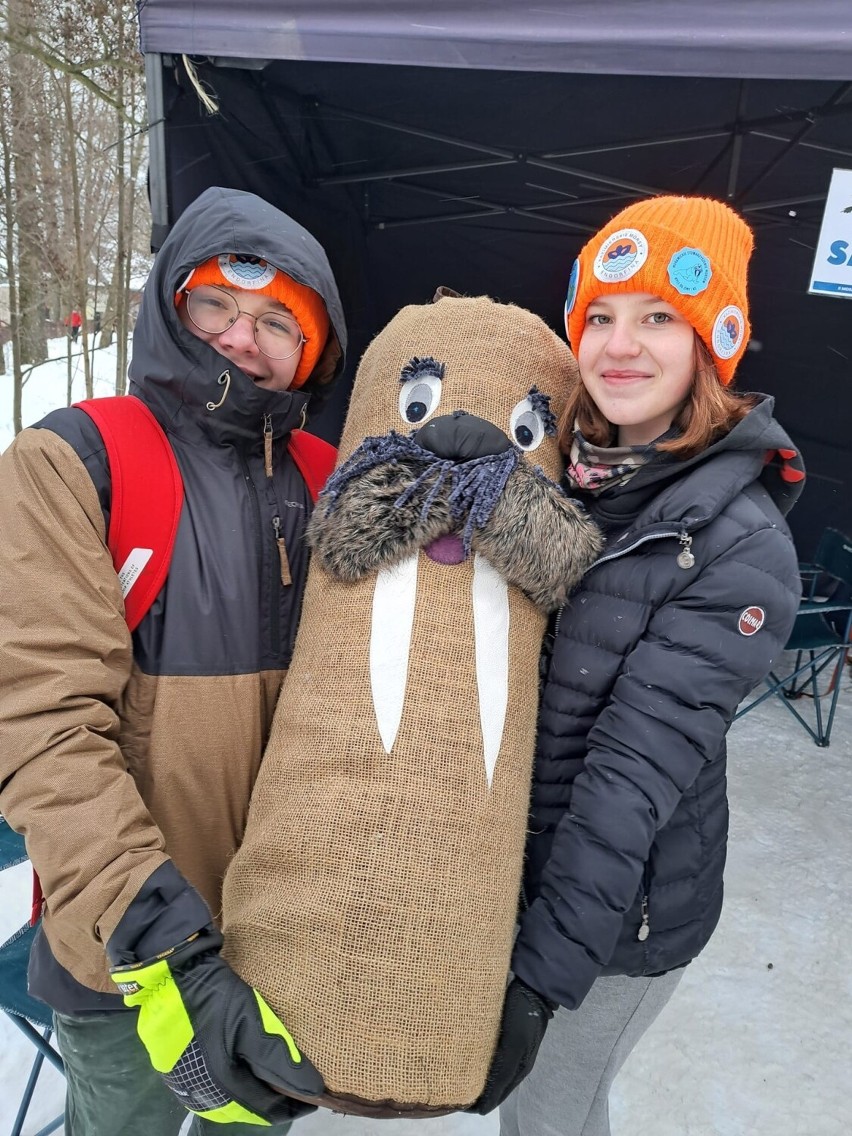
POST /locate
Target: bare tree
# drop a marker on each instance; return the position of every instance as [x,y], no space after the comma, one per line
[9,253]
[72,148]
[23,186]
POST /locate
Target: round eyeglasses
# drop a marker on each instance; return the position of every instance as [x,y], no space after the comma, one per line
[213,311]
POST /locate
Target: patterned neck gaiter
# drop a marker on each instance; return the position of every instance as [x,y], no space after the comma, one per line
[595,468]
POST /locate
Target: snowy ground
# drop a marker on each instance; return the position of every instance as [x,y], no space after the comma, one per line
[46,387]
[757,1040]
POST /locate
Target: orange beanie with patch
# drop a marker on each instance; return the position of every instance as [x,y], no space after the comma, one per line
[231,270]
[692,252]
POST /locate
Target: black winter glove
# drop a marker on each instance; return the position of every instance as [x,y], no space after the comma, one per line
[525,1018]
[218,1045]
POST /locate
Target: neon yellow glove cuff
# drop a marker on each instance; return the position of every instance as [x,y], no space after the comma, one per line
[166,1030]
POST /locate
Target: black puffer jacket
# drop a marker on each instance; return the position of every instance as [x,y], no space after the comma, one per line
[650,661]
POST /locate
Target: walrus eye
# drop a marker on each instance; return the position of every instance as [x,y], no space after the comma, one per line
[419,397]
[526,426]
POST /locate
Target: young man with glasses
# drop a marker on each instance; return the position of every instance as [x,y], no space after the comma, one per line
[128,762]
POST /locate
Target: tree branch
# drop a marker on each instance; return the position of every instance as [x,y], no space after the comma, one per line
[56,63]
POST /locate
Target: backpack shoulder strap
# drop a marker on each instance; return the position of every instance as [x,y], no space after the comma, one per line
[147,495]
[314,459]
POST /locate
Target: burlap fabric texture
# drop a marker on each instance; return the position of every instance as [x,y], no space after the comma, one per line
[374,897]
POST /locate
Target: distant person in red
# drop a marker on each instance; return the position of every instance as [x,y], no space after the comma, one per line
[74,322]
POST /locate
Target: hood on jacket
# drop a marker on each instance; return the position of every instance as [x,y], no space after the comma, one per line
[692,491]
[184,379]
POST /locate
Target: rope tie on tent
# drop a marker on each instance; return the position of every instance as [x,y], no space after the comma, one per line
[205,95]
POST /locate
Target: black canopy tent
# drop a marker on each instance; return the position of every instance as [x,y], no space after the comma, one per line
[477,144]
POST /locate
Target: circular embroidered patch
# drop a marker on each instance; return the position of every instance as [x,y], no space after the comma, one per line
[571,294]
[621,256]
[728,331]
[751,620]
[249,274]
[689,271]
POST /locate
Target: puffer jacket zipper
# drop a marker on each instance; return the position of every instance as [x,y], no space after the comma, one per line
[685,541]
[616,553]
[682,536]
[645,925]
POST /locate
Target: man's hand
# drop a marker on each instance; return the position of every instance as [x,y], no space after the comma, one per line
[218,1045]
[525,1018]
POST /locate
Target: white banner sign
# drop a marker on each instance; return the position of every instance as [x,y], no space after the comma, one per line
[832,271]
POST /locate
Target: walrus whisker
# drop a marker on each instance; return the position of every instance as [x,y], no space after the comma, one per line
[443,467]
[372,452]
[477,488]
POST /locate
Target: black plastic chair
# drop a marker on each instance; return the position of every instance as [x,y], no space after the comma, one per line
[28,1013]
[820,637]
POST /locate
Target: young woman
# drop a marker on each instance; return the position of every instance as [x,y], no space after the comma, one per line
[695,593]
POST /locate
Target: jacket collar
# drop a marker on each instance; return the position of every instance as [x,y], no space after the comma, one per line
[668,495]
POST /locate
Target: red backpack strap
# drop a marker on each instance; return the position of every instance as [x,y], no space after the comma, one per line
[147,495]
[38,900]
[314,459]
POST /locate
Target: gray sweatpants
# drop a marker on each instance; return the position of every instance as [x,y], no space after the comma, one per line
[113,1090]
[567,1093]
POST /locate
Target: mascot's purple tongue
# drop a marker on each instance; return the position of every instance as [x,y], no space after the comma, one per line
[447,549]
[373,899]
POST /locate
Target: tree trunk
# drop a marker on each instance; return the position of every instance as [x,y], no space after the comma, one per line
[80,260]
[9,251]
[26,268]
[122,259]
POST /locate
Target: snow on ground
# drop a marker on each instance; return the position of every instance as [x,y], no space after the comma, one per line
[757,1040]
[46,387]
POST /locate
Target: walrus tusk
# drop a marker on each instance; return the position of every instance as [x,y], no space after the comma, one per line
[491,626]
[394,599]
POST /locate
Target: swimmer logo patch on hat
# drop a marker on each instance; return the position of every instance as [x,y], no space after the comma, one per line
[621,256]
[244,272]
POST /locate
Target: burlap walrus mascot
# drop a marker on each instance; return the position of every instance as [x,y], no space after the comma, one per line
[374,898]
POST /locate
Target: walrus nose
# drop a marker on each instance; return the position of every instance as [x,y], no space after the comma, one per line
[461,437]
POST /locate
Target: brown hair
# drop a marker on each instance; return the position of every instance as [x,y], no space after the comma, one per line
[710,411]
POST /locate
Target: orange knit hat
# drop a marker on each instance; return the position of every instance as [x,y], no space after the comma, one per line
[692,252]
[231,270]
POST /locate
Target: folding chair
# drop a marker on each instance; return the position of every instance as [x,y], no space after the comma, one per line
[26,1012]
[818,576]
[820,637]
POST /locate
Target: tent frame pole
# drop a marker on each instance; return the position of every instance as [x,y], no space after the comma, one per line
[159,190]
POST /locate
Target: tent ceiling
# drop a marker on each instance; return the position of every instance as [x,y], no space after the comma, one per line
[790,39]
[555,171]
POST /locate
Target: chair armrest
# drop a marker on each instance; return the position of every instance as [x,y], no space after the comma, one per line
[819,607]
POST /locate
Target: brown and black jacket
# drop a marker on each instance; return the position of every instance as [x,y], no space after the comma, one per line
[128,762]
